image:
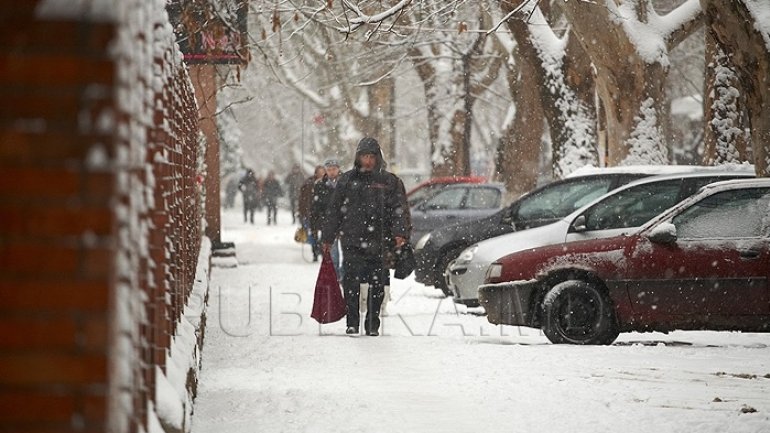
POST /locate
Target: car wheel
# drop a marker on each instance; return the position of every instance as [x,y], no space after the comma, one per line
[577,312]
[443,262]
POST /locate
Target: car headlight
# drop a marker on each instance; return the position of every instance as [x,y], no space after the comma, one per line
[495,270]
[467,255]
[422,242]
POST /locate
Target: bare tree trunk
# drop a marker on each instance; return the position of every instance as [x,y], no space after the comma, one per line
[732,26]
[521,142]
[726,121]
[381,117]
[631,85]
[563,77]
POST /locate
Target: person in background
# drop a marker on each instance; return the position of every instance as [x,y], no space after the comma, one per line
[271,190]
[293,182]
[305,204]
[368,213]
[231,190]
[322,195]
[249,187]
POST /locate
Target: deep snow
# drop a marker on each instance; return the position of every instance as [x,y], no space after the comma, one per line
[268,367]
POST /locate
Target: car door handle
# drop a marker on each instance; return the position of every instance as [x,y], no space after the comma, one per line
[749,254]
[451,217]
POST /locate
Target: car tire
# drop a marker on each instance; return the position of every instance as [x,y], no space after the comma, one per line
[443,262]
[577,312]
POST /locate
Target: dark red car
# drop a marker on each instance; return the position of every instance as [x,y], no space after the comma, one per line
[703,264]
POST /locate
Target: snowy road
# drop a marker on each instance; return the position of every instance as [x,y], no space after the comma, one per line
[268,367]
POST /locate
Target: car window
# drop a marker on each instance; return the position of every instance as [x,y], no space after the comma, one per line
[634,206]
[483,198]
[423,193]
[728,214]
[561,200]
[447,199]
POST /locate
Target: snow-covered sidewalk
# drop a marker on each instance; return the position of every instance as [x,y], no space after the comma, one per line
[268,367]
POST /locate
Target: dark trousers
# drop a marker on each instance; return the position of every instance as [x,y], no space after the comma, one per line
[272,211]
[360,270]
[293,205]
[248,214]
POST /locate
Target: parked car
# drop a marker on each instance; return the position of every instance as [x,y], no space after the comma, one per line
[542,206]
[435,250]
[704,264]
[456,203]
[617,211]
[430,187]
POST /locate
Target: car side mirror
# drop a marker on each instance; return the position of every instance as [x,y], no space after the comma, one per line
[664,233]
[579,225]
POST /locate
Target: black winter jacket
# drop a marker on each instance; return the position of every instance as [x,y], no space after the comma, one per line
[367,210]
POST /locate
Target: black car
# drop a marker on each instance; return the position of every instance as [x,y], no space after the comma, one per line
[544,205]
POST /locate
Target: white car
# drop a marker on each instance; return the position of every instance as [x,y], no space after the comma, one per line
[610,215]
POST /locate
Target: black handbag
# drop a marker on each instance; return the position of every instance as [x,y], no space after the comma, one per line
[405,263]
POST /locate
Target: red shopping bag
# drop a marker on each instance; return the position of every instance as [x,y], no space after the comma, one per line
[328,303]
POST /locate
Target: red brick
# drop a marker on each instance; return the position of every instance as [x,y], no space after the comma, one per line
[19,147]
[37,407]
[42,368]
[54,220]
[30,69]
[37,333]
[47,103]
[98,187]
[34,259]
[95,408]
[95,333]
[97,263]
[53,295]
[62,36]
[40,183]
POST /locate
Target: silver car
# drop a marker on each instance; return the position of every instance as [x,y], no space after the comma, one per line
[455,203]
[610,215]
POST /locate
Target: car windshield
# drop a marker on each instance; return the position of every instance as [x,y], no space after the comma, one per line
[561,200]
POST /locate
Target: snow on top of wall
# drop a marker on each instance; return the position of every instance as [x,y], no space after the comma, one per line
[760,10]
[93,10]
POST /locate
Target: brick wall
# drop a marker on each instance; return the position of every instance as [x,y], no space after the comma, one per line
[100,218]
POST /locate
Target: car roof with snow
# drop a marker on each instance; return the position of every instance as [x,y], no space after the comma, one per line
[662,169]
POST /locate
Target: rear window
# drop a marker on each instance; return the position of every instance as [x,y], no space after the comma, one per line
[483,198]
[728,214]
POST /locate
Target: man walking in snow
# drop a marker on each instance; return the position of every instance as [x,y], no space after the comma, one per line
[293,183]
[368,213]
[272,190]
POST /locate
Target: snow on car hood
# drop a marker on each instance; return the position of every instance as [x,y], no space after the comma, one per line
[492,249]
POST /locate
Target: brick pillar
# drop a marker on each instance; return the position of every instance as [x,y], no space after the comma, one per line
[57,226]
[205,85]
